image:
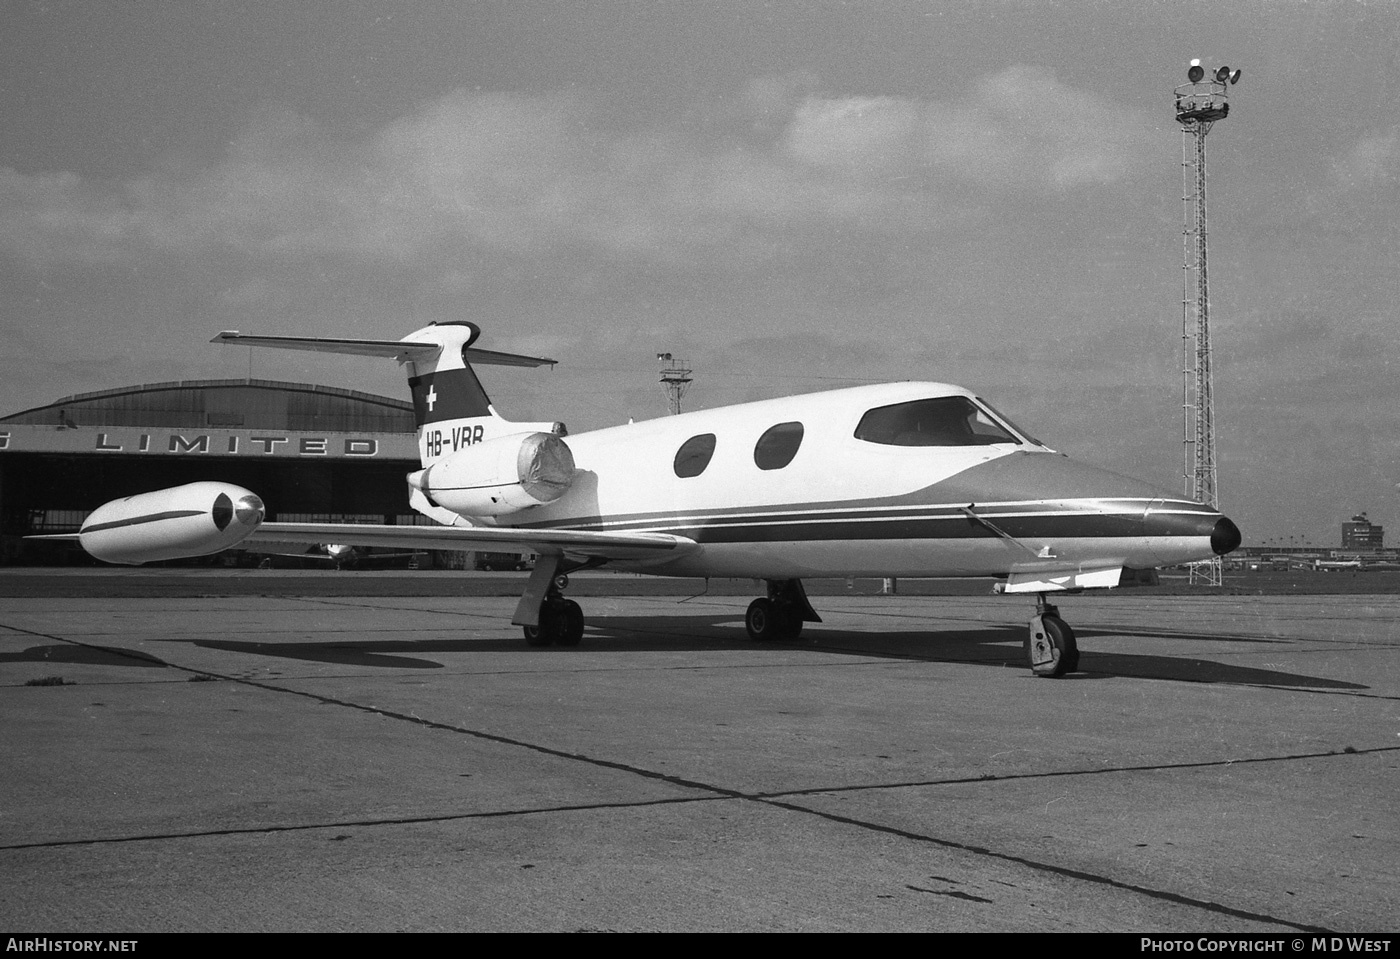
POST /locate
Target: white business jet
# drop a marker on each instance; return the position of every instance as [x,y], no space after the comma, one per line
[895,480]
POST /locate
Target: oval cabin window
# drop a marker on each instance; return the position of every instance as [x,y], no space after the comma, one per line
[777,446]
[694,455]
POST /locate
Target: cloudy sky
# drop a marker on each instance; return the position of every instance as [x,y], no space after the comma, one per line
[791,196]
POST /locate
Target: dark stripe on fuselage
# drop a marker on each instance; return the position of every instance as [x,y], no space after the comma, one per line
[142,520]
[827,512]
[915,528]
[1071,521]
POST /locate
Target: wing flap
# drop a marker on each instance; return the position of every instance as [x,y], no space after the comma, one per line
[547,541]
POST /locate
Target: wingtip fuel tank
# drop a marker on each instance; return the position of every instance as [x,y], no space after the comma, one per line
[184,521]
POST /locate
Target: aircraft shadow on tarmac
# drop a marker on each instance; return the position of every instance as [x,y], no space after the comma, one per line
[63,653]
[994,645]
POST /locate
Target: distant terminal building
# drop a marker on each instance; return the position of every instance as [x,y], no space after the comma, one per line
[312,453]
[1361,534]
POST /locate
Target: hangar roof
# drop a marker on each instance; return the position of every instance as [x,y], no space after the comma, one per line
[248,404]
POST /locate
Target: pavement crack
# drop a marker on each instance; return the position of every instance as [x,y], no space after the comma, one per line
[1063,871]
[952,893]
[271,828]
[1056,773]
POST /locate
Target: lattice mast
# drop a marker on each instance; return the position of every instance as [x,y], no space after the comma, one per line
[1199,104]
[676,379]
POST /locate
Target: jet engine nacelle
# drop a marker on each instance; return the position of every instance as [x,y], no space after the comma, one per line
[184,521]
[499,476]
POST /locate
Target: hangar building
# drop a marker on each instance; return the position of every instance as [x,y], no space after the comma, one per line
[312,453]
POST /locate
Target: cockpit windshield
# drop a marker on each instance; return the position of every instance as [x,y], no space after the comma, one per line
[942,421]
[1016,427]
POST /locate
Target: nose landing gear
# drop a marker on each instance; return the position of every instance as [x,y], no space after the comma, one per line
[1050,645]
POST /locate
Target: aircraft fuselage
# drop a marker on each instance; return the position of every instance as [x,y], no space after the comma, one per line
[845,505]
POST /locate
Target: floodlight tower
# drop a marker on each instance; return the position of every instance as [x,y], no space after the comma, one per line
[1199,104]
[675,378]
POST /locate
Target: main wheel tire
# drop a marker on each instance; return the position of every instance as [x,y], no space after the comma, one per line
[1071,653]
[767,621]
[550,629]
[571,615]
[762,621]
[1065,650]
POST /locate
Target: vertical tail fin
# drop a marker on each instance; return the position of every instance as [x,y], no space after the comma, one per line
[450,407]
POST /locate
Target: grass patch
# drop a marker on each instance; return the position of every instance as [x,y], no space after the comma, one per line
[50,681]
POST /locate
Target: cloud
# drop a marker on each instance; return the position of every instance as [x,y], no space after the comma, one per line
[472,176]
[1018,127]
[1374,158]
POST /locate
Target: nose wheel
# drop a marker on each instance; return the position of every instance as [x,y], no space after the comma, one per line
[1051,648]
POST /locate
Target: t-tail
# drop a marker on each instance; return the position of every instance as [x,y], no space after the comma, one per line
[475,462]
[450,407]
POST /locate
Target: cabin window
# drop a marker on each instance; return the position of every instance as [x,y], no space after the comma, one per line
[777,446]
[943,421]
[694,455]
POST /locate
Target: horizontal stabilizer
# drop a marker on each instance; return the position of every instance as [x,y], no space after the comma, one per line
[390,349]
[494,358]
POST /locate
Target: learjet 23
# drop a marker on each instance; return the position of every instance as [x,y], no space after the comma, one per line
[894,480]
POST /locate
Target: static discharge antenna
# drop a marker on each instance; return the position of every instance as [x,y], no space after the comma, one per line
[1200,103]
[675,377]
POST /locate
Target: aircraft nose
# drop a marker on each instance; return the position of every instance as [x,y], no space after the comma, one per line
[1181,518]
[1225,536]
[1180,531]
[1081,501]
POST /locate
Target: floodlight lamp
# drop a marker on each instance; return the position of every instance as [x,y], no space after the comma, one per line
[1196,72]
[1235,77]
[1222,74]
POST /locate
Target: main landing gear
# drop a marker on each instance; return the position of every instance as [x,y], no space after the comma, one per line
[1050,644]
[780,615]
[560,620]
[545,616]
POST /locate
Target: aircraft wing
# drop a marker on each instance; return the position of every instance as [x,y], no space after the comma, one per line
[573,542]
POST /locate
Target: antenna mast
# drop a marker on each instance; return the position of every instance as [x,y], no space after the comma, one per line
[675,378]
[1199,104]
